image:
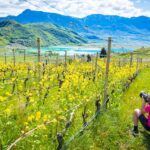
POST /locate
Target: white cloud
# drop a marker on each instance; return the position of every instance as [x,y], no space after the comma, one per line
[77,8]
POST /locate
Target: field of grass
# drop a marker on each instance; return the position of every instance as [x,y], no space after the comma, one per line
[111,129]
[142,53]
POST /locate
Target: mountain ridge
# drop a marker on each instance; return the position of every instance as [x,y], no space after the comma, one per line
[93,27]
[29,11]
[92,22]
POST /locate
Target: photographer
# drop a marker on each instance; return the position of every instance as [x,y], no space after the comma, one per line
[139,114]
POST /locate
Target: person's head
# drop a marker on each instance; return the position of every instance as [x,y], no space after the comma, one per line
[145,96]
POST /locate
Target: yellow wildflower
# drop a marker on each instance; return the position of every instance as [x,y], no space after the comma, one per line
[2,98]
[45,118]
[38,116]
[8,94]
[30,118]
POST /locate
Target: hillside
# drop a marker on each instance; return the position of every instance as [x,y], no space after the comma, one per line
[133,30]
[26,34]
[142,52]
[3,41]
[138,53]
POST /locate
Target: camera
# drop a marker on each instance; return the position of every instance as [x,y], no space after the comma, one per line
[145,96]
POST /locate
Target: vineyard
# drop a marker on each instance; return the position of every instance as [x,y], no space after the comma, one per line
[46,105]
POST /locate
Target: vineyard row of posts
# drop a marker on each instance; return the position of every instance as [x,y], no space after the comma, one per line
[98,106]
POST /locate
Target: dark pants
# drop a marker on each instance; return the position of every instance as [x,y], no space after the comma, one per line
[144,122]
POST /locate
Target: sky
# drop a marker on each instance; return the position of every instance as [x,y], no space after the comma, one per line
[78,8]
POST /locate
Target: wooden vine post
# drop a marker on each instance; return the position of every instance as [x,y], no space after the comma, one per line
[46,59]
[96,61]
[107,73]
[74,56]
[39,54]
[39,49]
[137,65]
[39,64]
[131,59]
[13,87]
[119,63]
[57,60]
[24,55]
[65,59]
[141,61]
[14,57]
[5,58]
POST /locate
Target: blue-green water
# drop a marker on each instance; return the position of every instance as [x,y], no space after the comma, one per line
[78,50]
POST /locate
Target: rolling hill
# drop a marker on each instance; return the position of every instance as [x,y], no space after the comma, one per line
[26,34]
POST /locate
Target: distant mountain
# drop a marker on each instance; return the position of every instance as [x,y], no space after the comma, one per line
[29,16]
[93,27]
[26,34]
[96,21]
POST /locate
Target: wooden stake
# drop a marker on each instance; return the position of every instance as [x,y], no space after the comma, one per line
[14,57]
[24,55]
[107,72]
[119,63]
[39,49]
[5,58]
[124,61]
[137,64]
[74,56]
[57,60]
[95,73]
[131,59]
[65,59]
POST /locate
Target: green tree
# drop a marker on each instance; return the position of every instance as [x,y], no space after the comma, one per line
[103,53]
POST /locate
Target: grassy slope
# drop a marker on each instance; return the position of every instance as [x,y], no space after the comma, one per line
[27,34]
[3,41]
[142,53]
[111,129]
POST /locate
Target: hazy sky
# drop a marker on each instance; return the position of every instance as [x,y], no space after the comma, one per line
[78,8]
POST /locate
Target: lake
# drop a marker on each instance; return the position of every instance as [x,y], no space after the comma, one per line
[78,50]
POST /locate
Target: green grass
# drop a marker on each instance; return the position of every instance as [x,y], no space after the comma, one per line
[111,130]
[142,53]
[3,41]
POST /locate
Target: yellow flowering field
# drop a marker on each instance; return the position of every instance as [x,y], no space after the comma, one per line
[40,97]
